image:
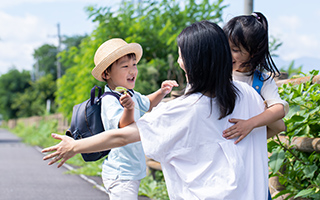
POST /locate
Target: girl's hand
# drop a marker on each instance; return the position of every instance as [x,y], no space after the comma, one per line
[63,150]
[167,86]
[127,102]
[241,129]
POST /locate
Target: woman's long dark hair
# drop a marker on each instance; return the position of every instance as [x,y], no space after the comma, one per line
[251,32]
[207,60]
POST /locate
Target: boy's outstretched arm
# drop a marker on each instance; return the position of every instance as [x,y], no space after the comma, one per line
[68,147]
[158,95]
[242,128]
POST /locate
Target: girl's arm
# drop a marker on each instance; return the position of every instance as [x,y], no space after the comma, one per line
[68,147]
[275,128]
[158,95]
[270,117]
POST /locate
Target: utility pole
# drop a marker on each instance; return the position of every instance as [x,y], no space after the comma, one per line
[59,49]
[248,7]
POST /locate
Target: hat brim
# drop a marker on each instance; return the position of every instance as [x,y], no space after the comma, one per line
[115,55]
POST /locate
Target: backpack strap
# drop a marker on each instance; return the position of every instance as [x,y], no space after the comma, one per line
[257,81]
[100,95]
[93,93]
[110,93]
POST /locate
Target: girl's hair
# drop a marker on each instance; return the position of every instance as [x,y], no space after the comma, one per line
[207,60]
[108,69]
[251,32]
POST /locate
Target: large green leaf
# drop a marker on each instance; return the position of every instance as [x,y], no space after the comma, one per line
[276,160]
[305,193]
[310,170]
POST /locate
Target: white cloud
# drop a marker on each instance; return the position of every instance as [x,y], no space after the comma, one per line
[297,41]
[19,37]
[6,4]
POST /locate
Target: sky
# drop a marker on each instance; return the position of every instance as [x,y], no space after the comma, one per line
[25,25]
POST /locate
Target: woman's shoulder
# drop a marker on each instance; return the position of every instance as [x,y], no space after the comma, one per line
[241,85]
[245,90]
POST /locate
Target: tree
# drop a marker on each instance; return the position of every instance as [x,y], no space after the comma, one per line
[11,84]
[153,24]
[32,101]
[46,59]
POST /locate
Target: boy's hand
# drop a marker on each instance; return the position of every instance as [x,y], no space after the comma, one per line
[127,102]
[167,86]
[241,129]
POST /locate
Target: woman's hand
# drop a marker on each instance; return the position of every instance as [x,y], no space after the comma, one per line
[63,150]
[241,129]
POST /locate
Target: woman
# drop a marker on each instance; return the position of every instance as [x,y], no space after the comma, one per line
[185,134]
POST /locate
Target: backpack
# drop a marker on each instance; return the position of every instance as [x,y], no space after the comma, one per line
[257,81]
[86,121]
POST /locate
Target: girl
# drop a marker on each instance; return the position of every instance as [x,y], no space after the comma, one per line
[249,44]
[184,134]
[248,39]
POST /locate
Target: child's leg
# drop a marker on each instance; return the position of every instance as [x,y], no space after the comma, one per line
[122,189]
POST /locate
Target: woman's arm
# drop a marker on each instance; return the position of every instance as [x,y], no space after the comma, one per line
[69,147]
[270,116]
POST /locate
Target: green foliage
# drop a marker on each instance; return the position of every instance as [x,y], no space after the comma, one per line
[292,70]
[88,169]
[11,85]
[33,100]
[298,171]
[304,101]
[46,58]
[274,44]
[40,135]
[154,188]
[155,25]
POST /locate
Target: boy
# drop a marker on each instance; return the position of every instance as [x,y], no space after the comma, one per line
[116,64]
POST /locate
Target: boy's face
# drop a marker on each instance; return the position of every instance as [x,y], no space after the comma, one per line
[123,73]
[239,56]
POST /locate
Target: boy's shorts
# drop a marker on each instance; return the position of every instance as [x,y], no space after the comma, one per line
[122,189]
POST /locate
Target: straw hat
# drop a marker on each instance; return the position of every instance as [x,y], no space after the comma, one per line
[110,51]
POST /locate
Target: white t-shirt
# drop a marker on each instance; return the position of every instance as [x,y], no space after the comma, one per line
[269,91]
[185,136]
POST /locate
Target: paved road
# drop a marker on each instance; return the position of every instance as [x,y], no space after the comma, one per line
[25,176]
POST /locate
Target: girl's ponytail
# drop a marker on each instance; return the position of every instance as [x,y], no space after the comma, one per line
[251,32]
[268,65]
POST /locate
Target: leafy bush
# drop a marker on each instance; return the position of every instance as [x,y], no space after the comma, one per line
[154,188]
[298,171]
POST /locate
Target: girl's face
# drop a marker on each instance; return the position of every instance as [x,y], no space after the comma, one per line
[180,61]
[123,73]
[239,56]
